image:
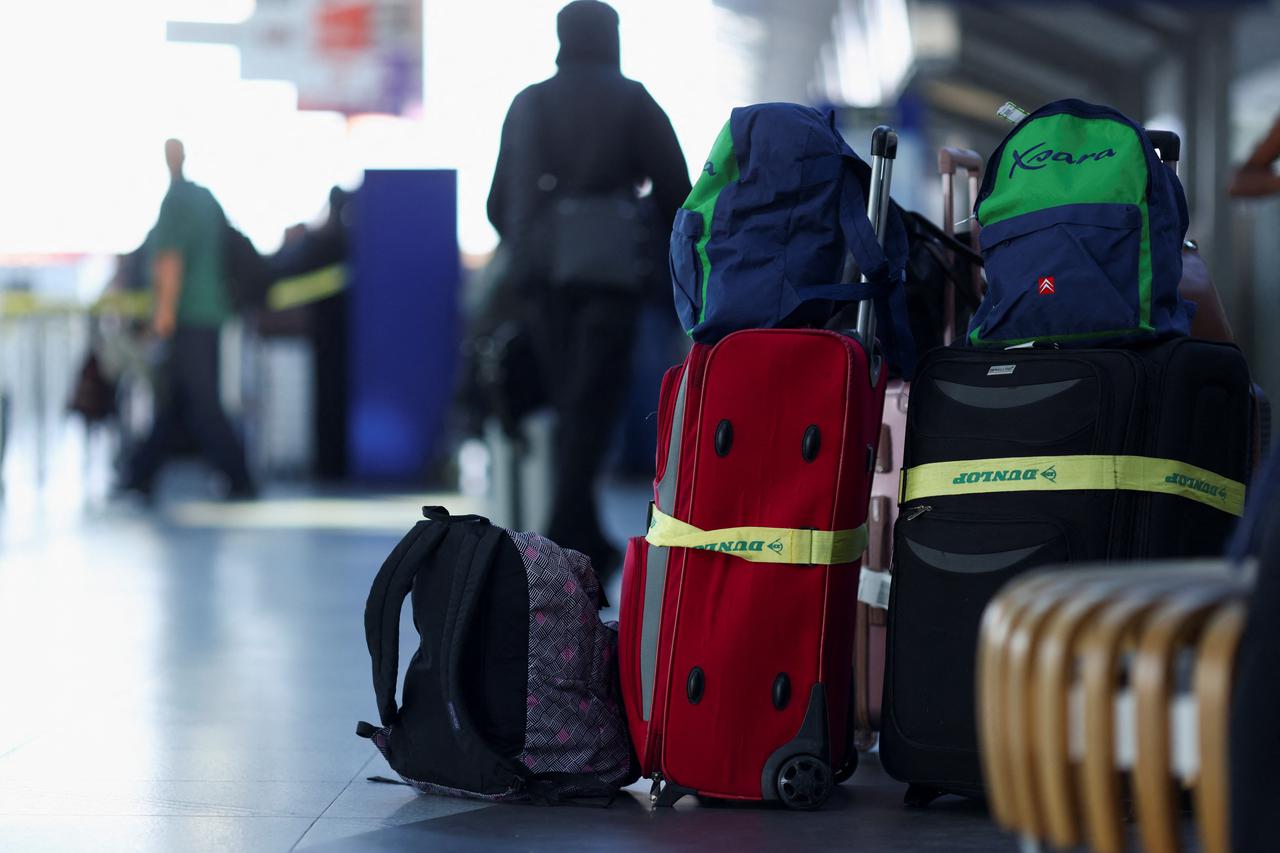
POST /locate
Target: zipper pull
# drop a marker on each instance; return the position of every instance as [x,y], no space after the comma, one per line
[916,512]
[1011,112]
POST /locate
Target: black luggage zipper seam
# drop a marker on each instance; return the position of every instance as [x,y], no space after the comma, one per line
[1142,415]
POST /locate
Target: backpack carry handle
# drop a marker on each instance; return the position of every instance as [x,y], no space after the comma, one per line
[382,610]
[1169,146]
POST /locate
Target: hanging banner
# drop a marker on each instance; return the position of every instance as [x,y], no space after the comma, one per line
[347,56]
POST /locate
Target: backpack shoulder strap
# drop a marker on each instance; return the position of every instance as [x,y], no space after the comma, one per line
[884,267]
[873,259]
[470,575]
[382,610]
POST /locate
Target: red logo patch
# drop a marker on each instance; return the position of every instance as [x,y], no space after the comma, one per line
[1046,285]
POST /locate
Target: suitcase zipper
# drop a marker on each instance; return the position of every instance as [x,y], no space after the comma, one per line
[916,512]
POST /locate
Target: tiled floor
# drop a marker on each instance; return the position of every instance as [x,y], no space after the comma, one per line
[190,681]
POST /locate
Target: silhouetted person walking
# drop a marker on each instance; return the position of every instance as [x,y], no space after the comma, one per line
[190,306]
[585,135]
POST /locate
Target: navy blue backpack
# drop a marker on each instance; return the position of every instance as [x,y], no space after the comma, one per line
[762,239]
[1082,230]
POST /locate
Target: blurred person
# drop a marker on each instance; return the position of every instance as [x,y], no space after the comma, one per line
[587,132]
[190,304]
[1256,177]
[307,249]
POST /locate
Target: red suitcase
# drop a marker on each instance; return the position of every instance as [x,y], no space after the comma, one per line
[873,598]
[736,666]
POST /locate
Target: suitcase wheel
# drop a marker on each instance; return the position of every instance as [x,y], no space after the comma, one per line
[919,796]
[804,782]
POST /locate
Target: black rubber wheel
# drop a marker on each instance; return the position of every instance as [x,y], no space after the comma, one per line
[804,782]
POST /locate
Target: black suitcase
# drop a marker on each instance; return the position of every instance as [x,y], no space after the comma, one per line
[1023,458]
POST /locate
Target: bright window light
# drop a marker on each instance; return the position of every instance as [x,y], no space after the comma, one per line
[89,105]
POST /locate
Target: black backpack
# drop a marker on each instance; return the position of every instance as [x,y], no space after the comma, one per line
[935,258]
[513,692]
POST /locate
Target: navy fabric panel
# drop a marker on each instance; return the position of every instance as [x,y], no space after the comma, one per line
[686,266]
[1091,253]
[778,238]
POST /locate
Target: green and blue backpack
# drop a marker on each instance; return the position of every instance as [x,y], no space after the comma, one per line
[1082,230]
[762,239]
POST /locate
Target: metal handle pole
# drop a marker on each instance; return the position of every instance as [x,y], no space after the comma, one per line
[884,147]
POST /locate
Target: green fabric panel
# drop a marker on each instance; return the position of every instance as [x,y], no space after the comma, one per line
[1066,159]
[192,224]
[1108,165]
[721,169]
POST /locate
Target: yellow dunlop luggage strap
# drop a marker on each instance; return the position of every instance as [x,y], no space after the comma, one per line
[760,544]
[1063,473]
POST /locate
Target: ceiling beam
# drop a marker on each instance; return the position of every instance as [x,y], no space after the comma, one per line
[1011,55]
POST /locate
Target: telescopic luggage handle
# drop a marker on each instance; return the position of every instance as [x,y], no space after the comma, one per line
[877,244]
[950,160]
[884,148]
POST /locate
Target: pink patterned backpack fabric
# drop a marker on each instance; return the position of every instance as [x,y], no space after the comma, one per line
[513,691]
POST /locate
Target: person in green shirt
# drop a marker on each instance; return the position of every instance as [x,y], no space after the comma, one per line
[190,306]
